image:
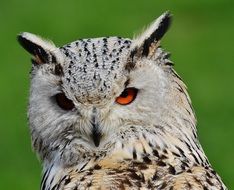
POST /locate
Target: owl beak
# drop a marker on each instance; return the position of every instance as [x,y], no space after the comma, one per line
[96,134]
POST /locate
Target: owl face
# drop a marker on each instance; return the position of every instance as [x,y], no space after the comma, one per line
[84,93]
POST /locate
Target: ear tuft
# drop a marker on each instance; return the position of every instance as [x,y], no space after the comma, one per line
[39,48]
[149,40]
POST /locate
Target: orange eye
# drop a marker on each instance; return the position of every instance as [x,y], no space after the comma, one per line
[127,96]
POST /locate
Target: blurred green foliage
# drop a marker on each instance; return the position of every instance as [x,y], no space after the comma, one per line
[201,42]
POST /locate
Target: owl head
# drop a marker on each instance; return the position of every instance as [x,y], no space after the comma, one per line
[91,94]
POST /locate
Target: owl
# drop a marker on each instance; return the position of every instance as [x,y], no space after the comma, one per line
[111,113]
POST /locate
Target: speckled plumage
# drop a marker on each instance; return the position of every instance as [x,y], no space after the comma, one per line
[150,143]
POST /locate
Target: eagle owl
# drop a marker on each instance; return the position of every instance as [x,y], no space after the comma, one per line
[111,113]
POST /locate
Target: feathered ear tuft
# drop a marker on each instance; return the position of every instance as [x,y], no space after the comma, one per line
[149,40]
[42,50]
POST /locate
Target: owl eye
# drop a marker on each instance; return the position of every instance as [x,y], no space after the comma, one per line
[127,96]
[63,102]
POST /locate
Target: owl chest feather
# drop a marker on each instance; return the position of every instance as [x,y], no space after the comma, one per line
[136,165]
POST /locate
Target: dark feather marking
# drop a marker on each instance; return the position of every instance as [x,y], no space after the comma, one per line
[194,148]
[52,179]
[181,151]
[97,167]
[182,91]
[45,177]
[165,151]
[171,170]
[54,187]
[161,163]
[90,172]
[176,75]
[213,172]
[130,63]
[155,176]
[53,59]
[133,175]
[169,63]
[163,157]
[33,48]
[134,155]
[197,180]
[196,159]
[155,152]
[58,70]
[142,166]
[149,185]
[184,165]
[58,185]
[146,160]
[82,179]
[157,34]
[189,171]
[209,182]
[67,180]
[89,184]
[189,185]
[164,184]
[175,154]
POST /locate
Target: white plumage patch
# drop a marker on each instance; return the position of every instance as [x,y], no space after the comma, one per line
[46,44]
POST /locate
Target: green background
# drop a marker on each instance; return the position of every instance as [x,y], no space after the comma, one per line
[200,39]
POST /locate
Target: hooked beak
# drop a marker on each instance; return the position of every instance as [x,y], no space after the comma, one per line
[96,134]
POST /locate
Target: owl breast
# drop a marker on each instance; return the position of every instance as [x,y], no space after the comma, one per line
[93,68]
